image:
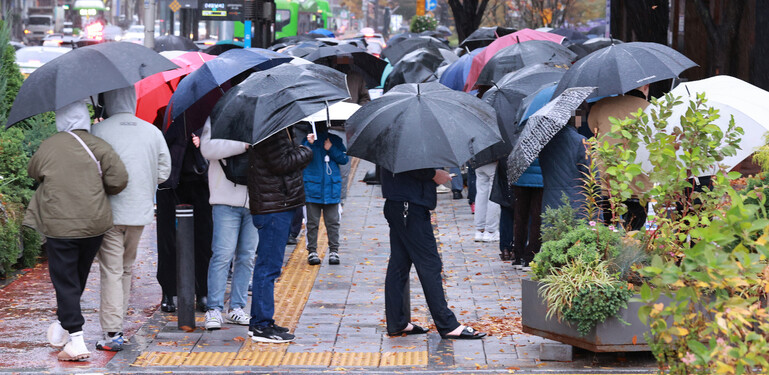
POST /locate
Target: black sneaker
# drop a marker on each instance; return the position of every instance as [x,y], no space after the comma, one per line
[457,194]
[291,240]
[333,257]
[275,326]
[313,259]
[270,334]
[517,262]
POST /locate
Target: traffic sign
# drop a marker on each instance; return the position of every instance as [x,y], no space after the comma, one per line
[430,5]
[175,6]
[421,7]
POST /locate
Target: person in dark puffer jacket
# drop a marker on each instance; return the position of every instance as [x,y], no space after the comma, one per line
[275,189]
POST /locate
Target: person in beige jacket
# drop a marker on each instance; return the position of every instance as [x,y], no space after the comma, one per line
[76,172]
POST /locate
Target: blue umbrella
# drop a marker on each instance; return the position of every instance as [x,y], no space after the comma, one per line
[216,72]
[534,102]
[386,72]
[455,75]
[323,32]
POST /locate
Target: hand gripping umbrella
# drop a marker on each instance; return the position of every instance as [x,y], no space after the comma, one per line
[270,101]
[425,125]
[619,68]
[519,55]
[82,73]
[541,128]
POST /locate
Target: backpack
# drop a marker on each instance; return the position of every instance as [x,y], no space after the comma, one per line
[236,168]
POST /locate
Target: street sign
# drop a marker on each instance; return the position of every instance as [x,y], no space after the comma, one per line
[430,5]
[221,10]
[421,7]
[175,6]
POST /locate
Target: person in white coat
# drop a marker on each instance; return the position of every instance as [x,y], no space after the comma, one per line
[234,235]
[143,150]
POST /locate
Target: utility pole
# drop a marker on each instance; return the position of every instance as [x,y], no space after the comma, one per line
[149,23]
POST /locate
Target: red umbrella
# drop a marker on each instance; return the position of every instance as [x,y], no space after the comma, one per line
[480,60]
[153,92]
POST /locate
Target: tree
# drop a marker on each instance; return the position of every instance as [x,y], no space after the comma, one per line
[354,6]
[541,13]
[468,15]
[723,29]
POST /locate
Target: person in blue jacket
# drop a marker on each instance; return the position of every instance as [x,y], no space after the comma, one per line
[323,191]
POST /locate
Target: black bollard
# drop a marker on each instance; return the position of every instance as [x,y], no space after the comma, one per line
[185,266]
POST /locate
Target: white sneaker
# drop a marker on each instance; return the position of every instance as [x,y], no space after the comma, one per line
[479,236]
[57,336]
[491,237]
[213,319]
[75,350]
[442,189]
[238,316]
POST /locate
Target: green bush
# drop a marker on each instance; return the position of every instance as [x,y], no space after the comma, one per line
[586,243]
[423,23]
[596,303]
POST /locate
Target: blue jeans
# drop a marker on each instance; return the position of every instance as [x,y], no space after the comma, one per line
[457,184]
[234,236]
[273,234]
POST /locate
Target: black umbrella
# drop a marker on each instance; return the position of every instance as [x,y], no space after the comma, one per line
[541,127]
[174,43]
[84,72]
[418,66]
[594,44]
[519,55]
[366,62]
[218,49]
[396,52]
[416,126]
[570,34]
[578,49]
[507,96]
[272,100]
[397,38]
[620,68]
[303,49]
[484,36]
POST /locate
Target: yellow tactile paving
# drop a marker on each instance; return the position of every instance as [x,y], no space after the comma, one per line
[160,359]
[210,359]
[307,359]
[348,359]
[258,358]
[404,359]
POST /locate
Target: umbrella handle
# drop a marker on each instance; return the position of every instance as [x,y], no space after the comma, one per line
[314,132]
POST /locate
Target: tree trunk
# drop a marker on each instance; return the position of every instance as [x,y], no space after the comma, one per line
[722,37]
[467,16]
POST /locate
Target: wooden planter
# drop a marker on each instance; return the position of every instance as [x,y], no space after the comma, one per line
[609,336]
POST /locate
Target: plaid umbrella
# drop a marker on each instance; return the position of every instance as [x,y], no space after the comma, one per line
[542,127]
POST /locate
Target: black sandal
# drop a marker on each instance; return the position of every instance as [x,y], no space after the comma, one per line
[416,330]
[466,334]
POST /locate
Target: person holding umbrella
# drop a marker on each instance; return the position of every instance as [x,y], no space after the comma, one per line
[76,172]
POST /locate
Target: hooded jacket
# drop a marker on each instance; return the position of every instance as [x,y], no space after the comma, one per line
[323,179]
[71,201]
[223,191]
[275,174]
[563,162]
[142,149]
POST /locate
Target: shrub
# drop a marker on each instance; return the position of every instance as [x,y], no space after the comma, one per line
[423,23]
[586,243]
[596,303]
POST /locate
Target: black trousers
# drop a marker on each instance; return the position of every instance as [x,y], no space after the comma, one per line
[527,222]
[69,262]
[413,242]
[195,193]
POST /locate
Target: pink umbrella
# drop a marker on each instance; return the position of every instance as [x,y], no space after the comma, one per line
[480,60]
[153,92]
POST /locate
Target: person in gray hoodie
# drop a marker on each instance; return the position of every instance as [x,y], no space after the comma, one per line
[234,236]
[143,150]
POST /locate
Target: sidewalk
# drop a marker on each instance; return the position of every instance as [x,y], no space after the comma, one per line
[336,313]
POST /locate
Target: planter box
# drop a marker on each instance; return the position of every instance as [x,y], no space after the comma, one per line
[609,336]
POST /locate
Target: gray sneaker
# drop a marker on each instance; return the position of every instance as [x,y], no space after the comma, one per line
[333,257]
[111,343]
[270,334]
[214,319]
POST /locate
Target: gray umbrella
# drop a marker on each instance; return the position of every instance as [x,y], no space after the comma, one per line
[519,55]
[85,72]
[417,66]
[541,128]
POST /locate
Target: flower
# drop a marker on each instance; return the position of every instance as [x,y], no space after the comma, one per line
[689,358]
[592,223]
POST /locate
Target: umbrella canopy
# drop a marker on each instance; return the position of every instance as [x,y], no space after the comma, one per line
[455,74]
[174,43]
[303,49]
[395,52]
[619,68]
[397,38]
[418,66]
[82,73]
[519,55]
[732,97]
[541,127]
[369,64]
[323,32]
[416,126]
[218,49]
[570,34]
[336,112]
[153,92]
[449,57]
[594,44]
[480,60]
[270,101]
[216,72]
[483,36]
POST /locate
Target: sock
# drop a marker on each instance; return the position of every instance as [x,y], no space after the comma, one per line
[78,342]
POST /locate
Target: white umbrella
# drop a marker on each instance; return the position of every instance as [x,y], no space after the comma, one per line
[337,112]
[732,97]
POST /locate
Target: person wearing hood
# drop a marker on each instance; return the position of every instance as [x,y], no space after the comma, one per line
[76,172]
[143,150]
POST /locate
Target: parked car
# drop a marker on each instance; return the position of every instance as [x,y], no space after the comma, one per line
[30,58]
[134,34]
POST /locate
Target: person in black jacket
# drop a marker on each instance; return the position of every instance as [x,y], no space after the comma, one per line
[275,190]
[409,198]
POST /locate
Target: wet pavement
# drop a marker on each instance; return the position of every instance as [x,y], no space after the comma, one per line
[336,312]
